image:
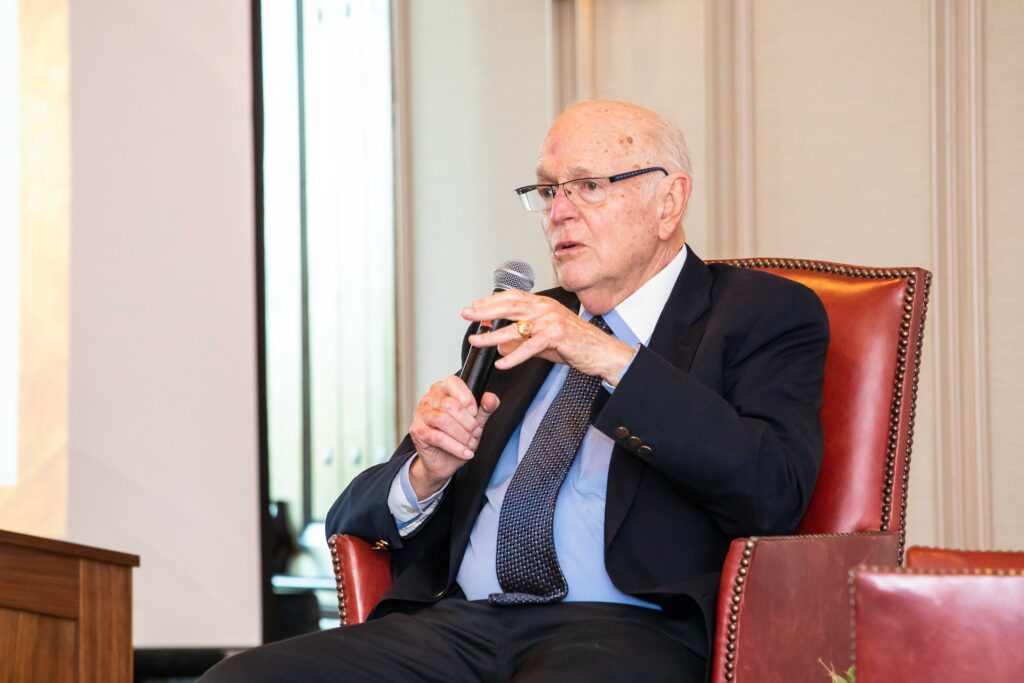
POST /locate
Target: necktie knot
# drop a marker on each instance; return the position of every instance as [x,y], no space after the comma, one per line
[598,322]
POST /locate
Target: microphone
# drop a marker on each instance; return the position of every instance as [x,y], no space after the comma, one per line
[476,372]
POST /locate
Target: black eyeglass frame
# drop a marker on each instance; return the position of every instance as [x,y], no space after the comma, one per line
[520,191]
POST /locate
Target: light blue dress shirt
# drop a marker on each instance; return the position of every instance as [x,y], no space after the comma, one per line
[580,508]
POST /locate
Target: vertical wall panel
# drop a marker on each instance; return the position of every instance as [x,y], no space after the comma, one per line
[1004,202]
[842,157]
[841,130]
[653,53]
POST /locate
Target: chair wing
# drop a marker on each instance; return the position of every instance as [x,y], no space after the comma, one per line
[858,509]
[876,318]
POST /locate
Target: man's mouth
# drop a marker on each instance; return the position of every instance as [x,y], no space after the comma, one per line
[566,247]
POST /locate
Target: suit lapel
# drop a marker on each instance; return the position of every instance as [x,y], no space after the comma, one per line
[681,324]
[676,336]
[516,388]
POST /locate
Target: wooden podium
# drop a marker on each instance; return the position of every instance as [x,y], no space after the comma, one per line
[65,612]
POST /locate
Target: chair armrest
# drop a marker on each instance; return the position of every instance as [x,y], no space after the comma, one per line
[363,573]
[784,603]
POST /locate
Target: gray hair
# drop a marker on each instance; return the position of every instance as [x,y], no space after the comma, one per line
[670,141]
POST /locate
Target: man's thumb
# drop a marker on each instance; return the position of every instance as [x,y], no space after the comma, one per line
[488,404]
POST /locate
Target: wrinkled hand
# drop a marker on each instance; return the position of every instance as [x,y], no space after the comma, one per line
[446,429]
[559,335]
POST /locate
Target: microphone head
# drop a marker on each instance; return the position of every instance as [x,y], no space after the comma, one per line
[514,275]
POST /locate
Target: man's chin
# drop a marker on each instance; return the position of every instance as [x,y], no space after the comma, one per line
[570,281]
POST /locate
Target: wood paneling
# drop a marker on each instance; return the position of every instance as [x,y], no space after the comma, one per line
[24,635]
[90,586]
[105,624]
[37,581]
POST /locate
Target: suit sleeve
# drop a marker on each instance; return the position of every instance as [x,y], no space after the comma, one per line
[362,508]
[750,454]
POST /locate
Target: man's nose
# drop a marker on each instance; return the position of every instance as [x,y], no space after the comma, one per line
[563,208]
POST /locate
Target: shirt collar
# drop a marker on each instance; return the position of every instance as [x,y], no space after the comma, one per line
[634,319]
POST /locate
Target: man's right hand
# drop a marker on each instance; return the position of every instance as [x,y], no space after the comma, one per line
[446,429]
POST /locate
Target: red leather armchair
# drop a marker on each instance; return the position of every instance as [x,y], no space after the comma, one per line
[784,601]
[951,615]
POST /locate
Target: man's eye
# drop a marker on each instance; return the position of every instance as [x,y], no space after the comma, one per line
[590,185]
[546,192]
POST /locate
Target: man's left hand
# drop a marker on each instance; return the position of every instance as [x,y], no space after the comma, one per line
[559,335]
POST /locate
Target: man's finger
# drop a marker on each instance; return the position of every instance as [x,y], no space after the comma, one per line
[447,424]
[489,403]
[435,438]
[499,336]
[456,388]
[522,353]
[451,406]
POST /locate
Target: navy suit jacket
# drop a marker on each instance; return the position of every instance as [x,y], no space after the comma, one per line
[717,436]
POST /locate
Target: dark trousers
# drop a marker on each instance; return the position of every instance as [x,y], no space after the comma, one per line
[457,640]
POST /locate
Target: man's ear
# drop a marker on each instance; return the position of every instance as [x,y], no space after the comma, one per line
[674,201]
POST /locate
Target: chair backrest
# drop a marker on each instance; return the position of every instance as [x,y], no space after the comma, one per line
[876,316]
[921,557]
[955,626]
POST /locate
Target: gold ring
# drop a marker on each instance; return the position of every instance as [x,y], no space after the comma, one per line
[524,328]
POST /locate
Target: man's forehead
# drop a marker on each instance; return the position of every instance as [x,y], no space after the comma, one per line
[591,145]
[551,171]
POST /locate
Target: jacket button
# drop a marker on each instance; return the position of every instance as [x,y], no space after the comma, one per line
[621,432]
[633,441]
[644,451]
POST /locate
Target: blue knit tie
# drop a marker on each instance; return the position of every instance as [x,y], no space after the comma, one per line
[528,569]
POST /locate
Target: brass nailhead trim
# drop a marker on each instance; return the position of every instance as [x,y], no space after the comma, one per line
[896,407]
[971,550]
[905,479]
[853,617]
[336,562]
[737,601]
[913,571]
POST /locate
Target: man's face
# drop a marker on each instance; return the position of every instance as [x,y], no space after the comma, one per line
[604,251]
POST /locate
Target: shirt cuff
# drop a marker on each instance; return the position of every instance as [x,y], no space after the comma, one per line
[608,387]
[402,501]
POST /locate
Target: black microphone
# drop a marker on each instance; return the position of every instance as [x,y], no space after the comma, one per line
[476,372]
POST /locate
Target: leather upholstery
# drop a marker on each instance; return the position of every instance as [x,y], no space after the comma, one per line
[796,611]
[866,318]
[784,608]
[800,611]
[362,573]
[920,557]
[960,627]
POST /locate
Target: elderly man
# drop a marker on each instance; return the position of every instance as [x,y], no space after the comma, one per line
[572,526]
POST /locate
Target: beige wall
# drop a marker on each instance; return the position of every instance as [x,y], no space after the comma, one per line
[163,422]
[1003,251]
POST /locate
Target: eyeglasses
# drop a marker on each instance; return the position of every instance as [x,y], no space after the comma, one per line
[580,191]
